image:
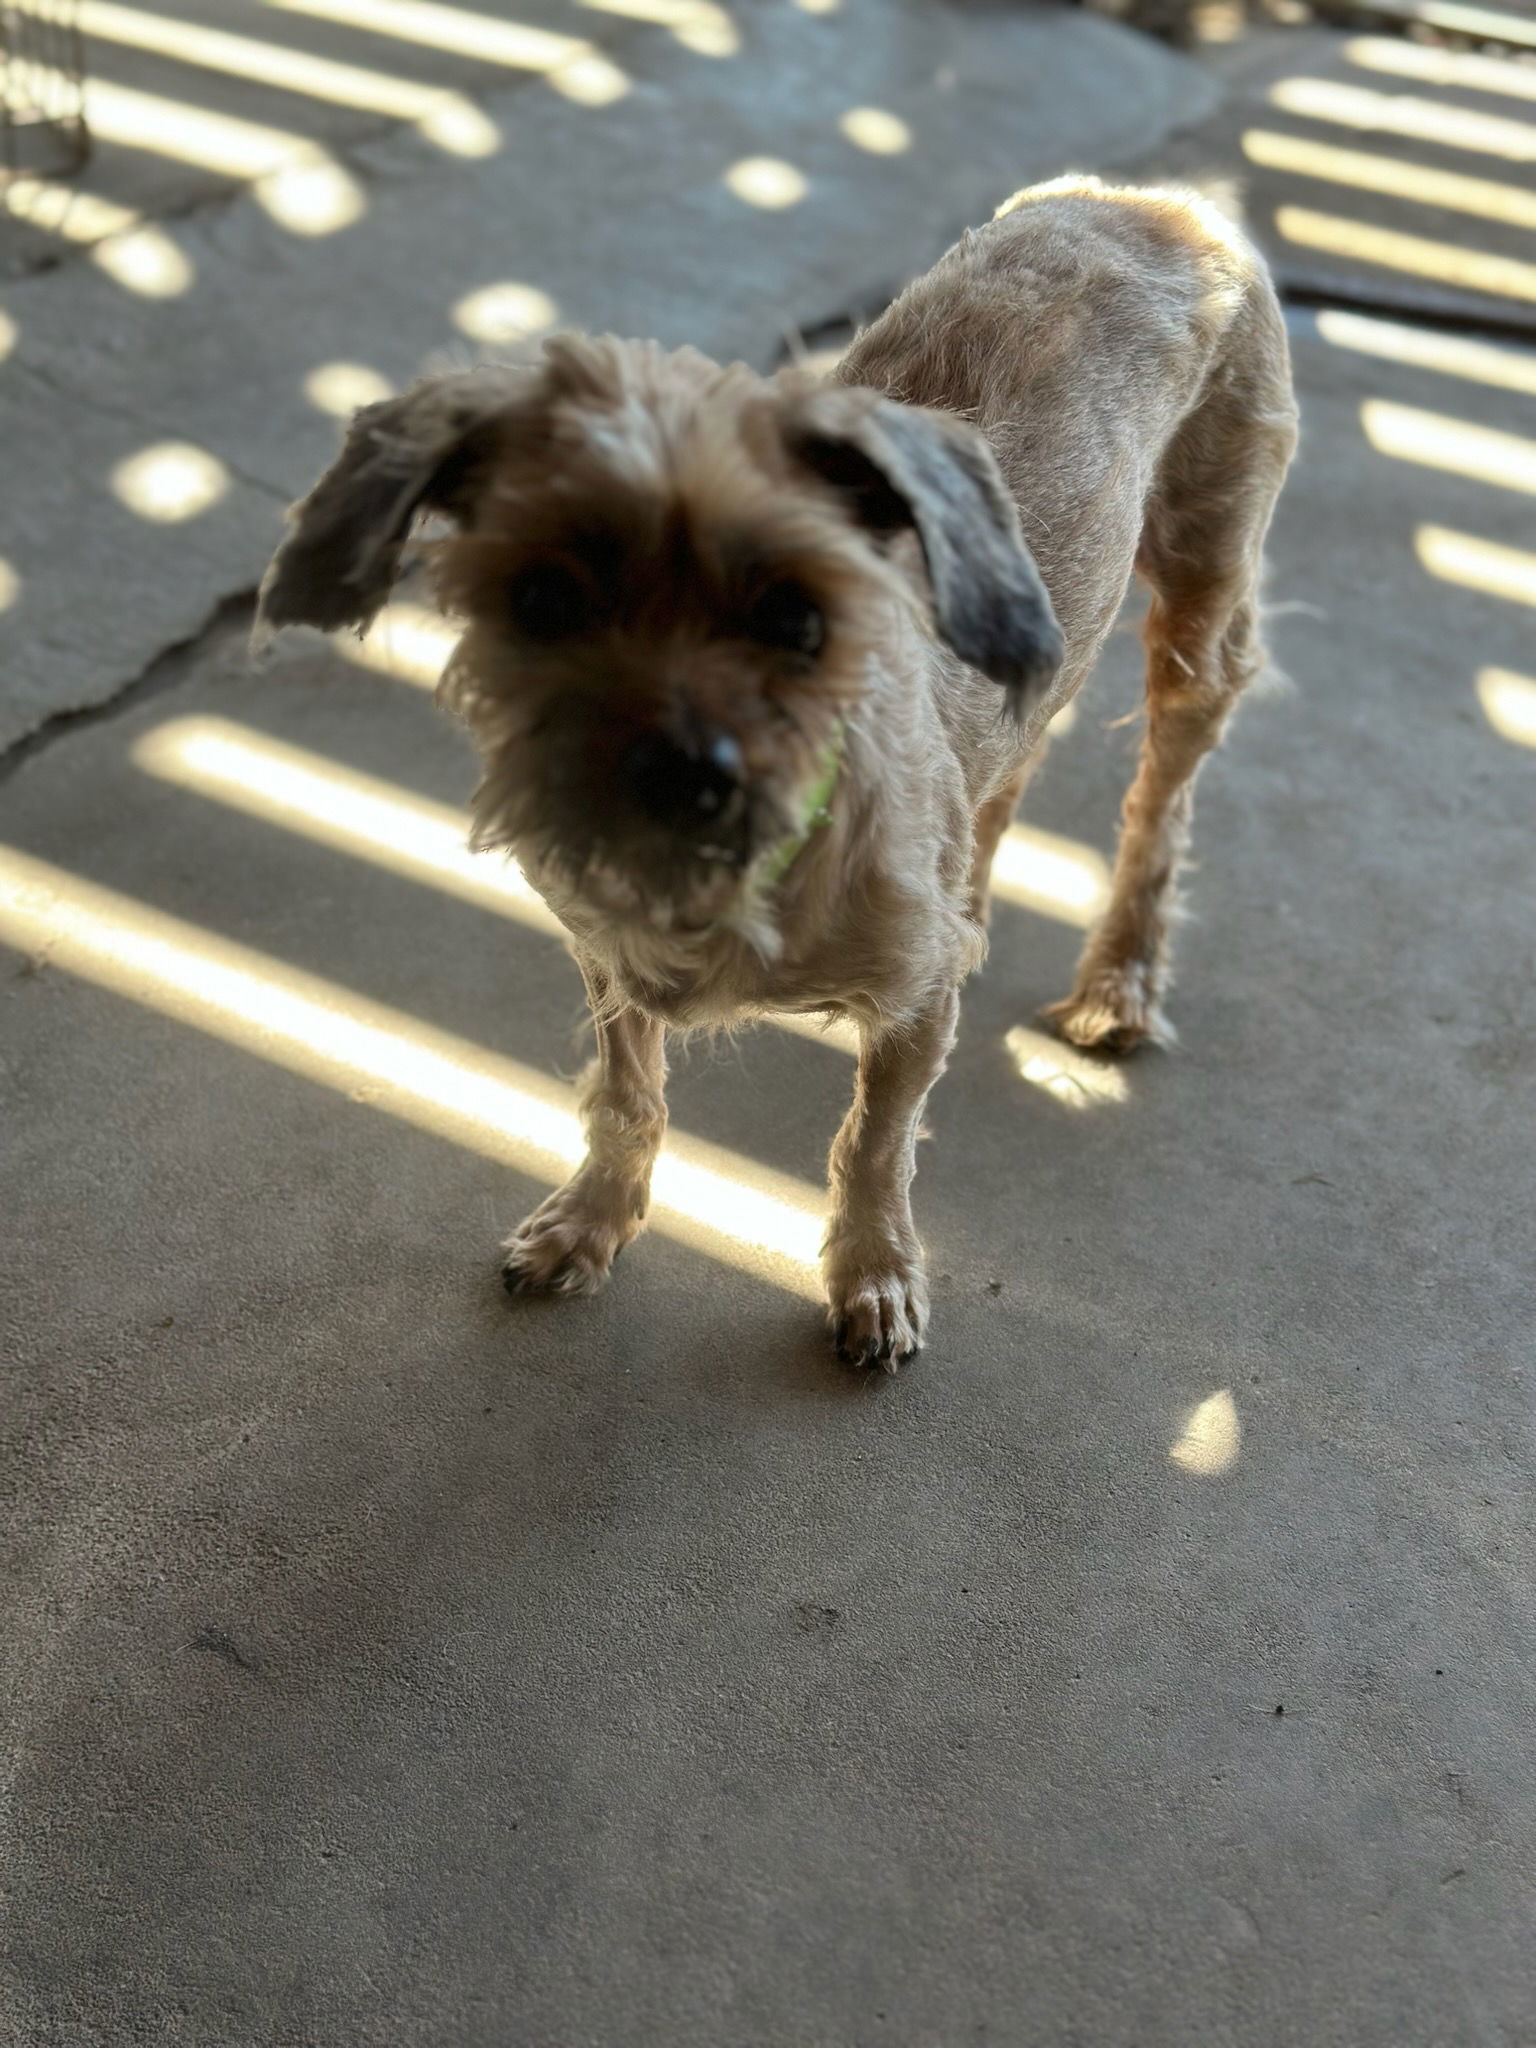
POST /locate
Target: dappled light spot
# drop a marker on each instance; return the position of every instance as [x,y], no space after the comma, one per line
[1426,348]
[1477,564]
[1060,878]
[699,25]
[342,389]
[818,6]
[589,81]
[767,182]
[1384,113]
[139,257]
[1482,453]
[340,807]
[1473,270]
[170,482]
[7,334]
[1432,66]
[1212,1437]
[1069,1076]
[716,1201]
[1064,720]
[571,65]
[1218,21]
[10,585]
[1509,704]
[145,261]
[505,312]
[459,128]
[1424,186]
[872,129]
[312,198]
[447,118]
[406,641]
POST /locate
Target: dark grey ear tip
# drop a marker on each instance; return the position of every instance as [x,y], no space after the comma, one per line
[1014,640]
[1023,690]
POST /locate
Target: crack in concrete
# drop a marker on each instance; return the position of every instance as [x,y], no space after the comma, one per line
[163,671]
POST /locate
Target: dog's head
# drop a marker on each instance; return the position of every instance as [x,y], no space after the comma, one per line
[672,578]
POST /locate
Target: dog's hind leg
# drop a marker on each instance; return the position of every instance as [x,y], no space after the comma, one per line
[571,1240]
[1200,552]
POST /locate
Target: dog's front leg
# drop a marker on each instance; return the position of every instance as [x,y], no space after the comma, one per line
[877,1292]
[570,1241]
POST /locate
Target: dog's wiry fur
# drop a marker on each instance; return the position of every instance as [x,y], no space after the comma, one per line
[1095,382]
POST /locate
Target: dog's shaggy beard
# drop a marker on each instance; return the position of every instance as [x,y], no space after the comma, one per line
[536,799]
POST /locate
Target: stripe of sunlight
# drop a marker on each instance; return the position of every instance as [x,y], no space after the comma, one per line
[410,642]
[1390,113]
[409,835]
[710,1199]
[1482,453]
[1483,24]
[299,183]
[141,258]
[370,819]
[1423,348]
[1443,67]
[577,69]
[7,334]
[1470,269]
[1059,878]
[339,807]
[699,25]
[1509,704]
[1485,197]
[1477,564]
[446,118]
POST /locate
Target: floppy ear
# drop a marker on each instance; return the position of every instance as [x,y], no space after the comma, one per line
[402,457]
[903,466]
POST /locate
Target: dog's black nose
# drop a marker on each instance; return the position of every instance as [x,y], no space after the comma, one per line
[684,783]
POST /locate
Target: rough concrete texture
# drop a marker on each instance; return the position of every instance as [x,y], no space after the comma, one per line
[389,1664]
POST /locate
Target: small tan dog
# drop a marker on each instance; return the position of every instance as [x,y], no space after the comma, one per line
[758,667]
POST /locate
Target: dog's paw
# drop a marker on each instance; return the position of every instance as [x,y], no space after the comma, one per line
[1113,1010]
[569,1243]
[878,1311]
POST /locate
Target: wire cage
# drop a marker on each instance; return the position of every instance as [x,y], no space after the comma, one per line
[42,90]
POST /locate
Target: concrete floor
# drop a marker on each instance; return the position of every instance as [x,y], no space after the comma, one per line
[391,1664]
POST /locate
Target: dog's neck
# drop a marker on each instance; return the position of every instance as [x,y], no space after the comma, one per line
[776,863]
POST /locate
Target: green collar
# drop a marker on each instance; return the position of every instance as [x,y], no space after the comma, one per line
[778,860]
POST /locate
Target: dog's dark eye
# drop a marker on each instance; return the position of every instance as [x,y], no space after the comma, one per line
[789,618]
[546,602]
